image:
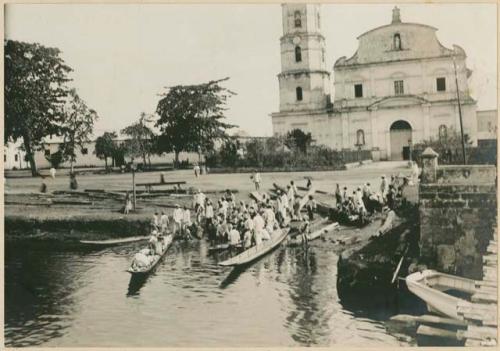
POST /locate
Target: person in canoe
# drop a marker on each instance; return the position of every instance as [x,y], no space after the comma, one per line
[186,223]
[234,238]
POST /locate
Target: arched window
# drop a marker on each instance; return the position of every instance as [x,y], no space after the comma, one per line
[298,20]
[360,137]
[298,92]
[397,41]
[298,54]
[443,132]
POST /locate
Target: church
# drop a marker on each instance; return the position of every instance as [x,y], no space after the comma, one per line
[396,90]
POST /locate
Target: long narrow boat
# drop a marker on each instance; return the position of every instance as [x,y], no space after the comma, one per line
[257,251]
[431,286]
[314,235]
[112,242]
[157,258]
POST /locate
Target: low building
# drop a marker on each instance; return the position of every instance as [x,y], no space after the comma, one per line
[487,127]
[14,156]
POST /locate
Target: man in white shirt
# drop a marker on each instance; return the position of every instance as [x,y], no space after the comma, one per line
[177,217]
[234,235]
[256,180]
[164,222]
[291,196]
[209,211]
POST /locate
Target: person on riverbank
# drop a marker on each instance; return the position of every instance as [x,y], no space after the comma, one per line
[291,196]
[177,217]
[128,203]
[234,237]
[338,195]
[53,172]
[309,183]
[186,223]
[311,207]
[196,170]
[73,184]
[256,180]
[383,187]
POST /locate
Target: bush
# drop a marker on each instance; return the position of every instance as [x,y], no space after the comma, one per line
[55,159]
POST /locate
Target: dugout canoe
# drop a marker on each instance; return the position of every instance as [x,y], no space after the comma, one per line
[431,286]
[148,269]
[257,251]
[314,235]
[113,242]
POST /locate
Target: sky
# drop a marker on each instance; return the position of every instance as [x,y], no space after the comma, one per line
[124,55]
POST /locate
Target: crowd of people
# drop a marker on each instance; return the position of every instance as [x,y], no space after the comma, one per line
[364,201]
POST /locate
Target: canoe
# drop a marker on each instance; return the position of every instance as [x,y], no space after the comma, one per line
[148,269]
[314,235]
[111,242]
[257,251]
[431,286]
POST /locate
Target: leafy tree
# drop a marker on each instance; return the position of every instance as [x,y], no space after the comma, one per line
[191,117]
[35,78]
[77,126]
[297,139]
[55,159]
[141,139]
[105,146]
[255,152]
[229,153]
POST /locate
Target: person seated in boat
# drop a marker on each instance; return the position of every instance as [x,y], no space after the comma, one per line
[140,261]
[257,236]
[153,241]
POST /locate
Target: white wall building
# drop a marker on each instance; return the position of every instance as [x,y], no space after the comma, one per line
[398,87]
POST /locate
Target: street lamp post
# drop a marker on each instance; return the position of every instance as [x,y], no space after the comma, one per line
[133,185]
[459,110]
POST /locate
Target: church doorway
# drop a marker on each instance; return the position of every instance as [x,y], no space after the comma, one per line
[400,140]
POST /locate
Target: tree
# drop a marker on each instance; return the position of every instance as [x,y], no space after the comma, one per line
[255,151]
[141,139]
[191,117]
[105,146]
[35,78]
[77,126]
[297,139]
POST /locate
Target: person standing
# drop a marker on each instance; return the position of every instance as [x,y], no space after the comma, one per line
[383,187]
[338,195]
[128,203]
[53,172]
[311,207]
[177,217]
[291,196]
[164,222]
[186,222]
[156,221]
[256,179]
[196,170]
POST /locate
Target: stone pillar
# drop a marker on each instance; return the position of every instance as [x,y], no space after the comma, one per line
[345,131]
[429,165]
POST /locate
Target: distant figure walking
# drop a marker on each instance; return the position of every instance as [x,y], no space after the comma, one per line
[128,203]
[53,173]
[256,179]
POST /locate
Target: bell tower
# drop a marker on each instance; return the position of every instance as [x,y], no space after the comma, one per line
[304,81]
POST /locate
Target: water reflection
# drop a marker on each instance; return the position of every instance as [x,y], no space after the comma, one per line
[87,299]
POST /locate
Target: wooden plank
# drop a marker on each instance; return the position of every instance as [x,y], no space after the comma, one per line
[479,332]
[160,183]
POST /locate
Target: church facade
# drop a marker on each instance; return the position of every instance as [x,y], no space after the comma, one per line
[397,89]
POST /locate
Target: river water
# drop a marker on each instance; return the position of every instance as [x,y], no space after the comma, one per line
[85,298]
